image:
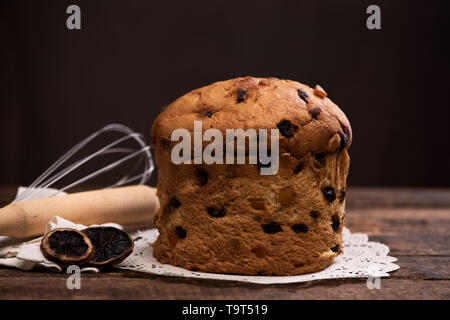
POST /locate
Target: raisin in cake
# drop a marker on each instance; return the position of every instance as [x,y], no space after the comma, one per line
[231,219]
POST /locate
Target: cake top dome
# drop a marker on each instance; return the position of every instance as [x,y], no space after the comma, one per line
[308,121]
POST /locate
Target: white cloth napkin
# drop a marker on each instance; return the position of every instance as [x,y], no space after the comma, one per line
[26,254]
[361,258]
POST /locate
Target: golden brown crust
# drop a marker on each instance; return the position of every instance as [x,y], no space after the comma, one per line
[231,219]
[266,103]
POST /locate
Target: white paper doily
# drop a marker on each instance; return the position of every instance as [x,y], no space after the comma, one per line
[361,259]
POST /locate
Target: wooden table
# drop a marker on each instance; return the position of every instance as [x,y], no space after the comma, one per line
[414,223]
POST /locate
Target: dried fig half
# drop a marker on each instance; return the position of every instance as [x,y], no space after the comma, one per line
[67,246]
[111,245]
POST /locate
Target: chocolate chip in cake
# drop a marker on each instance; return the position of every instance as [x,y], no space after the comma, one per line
[299,167]
[202,176]
[314,214]
[329,194]
[336,222]
[174,202]
[335,248]
[299,227]
[320,158]
[207,114]
[181,233]
[166,143]
[287,128]
[216,212]
[314,112]
[271,227]
[342,194]
[344,140]
[302,94]
[241,95]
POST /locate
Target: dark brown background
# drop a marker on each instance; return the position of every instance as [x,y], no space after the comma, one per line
[131,57]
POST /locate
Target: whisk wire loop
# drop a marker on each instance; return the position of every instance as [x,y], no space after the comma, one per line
[142,153]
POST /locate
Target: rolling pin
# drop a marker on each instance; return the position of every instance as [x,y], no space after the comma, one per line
[122,205]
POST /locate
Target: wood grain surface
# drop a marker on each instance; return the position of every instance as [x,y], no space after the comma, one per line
[413,222]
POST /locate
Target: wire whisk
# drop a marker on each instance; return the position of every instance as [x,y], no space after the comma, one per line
[140,172]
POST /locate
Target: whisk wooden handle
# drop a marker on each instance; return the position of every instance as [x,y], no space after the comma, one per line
[122,205]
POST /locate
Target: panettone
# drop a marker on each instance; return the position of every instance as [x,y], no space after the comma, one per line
[229,218]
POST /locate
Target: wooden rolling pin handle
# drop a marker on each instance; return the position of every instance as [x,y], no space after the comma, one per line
[122,205]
